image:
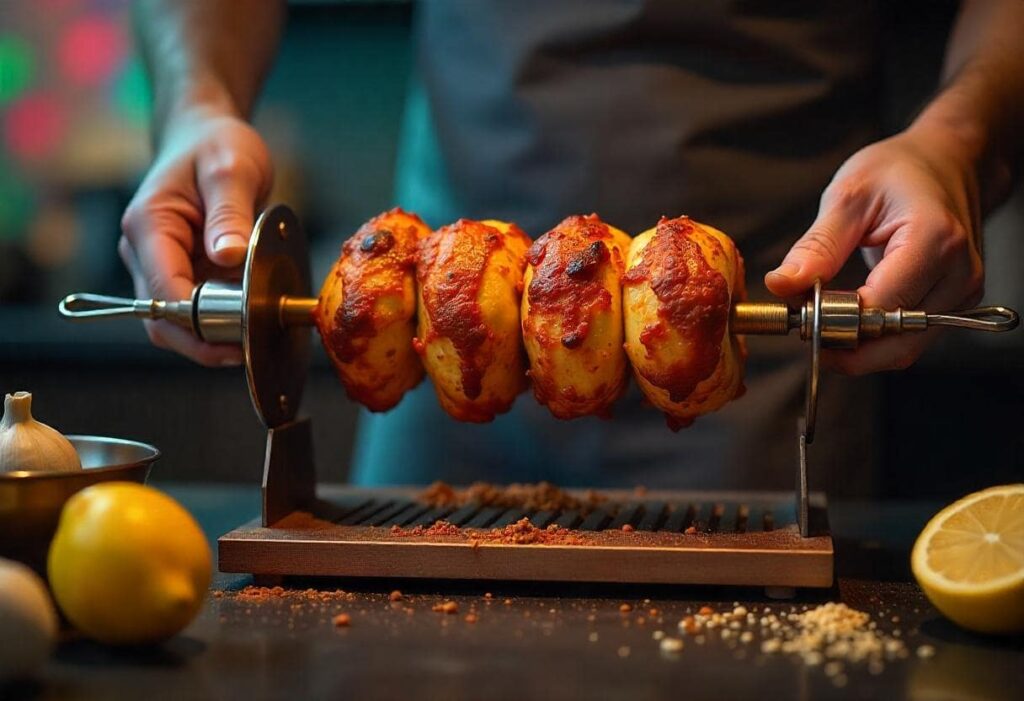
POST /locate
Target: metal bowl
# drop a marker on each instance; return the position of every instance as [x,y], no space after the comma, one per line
[31,502]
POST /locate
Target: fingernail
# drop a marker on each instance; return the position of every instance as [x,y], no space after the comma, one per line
[786,270]
[231,362]
[229,241]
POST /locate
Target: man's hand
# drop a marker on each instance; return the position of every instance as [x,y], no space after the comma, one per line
[913,199]
[194,214]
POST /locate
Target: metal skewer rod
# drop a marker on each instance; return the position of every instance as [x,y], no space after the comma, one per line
[843,321]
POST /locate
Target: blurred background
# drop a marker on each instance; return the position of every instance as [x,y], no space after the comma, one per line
[74,107]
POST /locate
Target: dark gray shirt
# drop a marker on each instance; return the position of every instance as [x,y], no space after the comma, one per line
[735,113]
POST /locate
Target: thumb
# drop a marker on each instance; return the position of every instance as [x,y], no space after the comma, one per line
[822,251]
[230,203]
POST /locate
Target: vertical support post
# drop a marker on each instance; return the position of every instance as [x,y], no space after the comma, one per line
[289,475]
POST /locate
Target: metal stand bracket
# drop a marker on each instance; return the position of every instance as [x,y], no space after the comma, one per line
[289,475]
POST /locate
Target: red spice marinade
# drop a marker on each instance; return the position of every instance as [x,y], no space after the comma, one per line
[565,283]
[451,269]
[375,261]
[694,300]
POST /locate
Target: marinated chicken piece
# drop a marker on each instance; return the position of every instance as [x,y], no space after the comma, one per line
[681,280]
[470,282]
[367,310]
[572,317]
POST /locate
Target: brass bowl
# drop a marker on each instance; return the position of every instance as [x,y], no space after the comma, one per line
[31,502]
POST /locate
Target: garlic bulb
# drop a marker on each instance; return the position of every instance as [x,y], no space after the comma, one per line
[26,444]
[28,621]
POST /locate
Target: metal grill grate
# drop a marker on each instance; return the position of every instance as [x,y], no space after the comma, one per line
[655,516]
[747,538]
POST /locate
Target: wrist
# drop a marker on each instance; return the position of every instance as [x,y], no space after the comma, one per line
[191,99]
[951,130]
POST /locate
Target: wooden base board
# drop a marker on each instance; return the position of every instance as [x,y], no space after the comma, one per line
[347,533]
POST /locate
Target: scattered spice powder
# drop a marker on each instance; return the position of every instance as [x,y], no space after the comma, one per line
[522,532]
[258,594]
[542,496]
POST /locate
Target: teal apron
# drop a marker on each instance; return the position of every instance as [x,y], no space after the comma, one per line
[735,113]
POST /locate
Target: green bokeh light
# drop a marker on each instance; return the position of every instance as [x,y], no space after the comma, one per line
[17,67]
[131,95]
[17,204]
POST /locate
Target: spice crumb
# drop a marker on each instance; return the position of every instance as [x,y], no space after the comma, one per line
[508,602]
[342,620]
[658,634]
[925,652]
[624,651]
[395,596]
[471,618]
[628,527]
[625,608]
[706,611]
[488,595]
[690,530]
[593,637]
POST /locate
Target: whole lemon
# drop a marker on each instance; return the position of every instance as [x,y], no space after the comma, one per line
[128,564]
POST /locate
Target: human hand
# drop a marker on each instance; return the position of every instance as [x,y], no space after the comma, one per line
[913,199]
[192,214]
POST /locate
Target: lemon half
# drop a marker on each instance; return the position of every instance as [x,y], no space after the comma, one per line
[969,560]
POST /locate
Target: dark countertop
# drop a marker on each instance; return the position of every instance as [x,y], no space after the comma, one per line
[551,641]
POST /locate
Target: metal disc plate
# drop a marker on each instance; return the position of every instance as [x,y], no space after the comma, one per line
[276,357]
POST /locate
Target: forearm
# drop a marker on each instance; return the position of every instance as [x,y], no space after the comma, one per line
[209,54]
[979,111]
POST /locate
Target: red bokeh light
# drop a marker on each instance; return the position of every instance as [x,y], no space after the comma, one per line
[34,126]
[90,50]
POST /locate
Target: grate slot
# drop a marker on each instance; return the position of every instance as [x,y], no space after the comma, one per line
[428,518]
[595,520]
[348,509]
[463,514]
[627,513]
[742,517]
[382,517]
[509,517]
[654,516]
[568,519]
[755,519]
[680,518]
[723,517]
[702,516]
[485,517]
[403,517]
[366,511]
[541,519]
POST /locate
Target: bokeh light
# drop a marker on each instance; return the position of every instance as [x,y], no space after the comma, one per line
[34,126]
[17,67]
[90,50]
[17,203]
[131,94]
[53,237]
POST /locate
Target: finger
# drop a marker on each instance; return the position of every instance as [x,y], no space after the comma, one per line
[917,257]
[843,218]
[229,193]
[960,287]
[161,269]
